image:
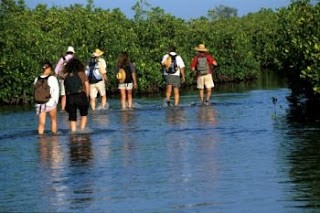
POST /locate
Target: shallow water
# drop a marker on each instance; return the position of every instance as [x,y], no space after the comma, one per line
[241,154]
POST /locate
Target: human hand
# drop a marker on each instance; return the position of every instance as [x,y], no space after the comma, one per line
[183,79]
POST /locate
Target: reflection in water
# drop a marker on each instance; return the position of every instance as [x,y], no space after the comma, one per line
[128,118]
[207,115]
[128,121]
[51,159]
[81,157]
[176,115]
[100,117]
[303,148]
[50,151]
[80,149]
[191,156]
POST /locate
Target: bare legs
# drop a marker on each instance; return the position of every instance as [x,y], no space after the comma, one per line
[42,121]
[126,95]
[176,94]
[208,95]
[93,103]
[103,102]
[83,123]
[63,102]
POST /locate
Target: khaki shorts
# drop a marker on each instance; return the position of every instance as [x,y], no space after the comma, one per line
[97,87]
[205,81]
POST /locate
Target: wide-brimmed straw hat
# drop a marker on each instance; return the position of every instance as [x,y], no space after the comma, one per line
[201,48]
[97,53]
[70,50]
[121,75]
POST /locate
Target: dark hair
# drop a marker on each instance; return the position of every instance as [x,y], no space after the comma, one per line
[123,59]
[74,65]
[46,63]
[172,48]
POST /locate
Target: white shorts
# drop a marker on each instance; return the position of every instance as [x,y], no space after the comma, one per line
[44,108]
[126,86]
[205,81]
[97,87]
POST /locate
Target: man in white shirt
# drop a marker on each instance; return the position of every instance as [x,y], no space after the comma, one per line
[174,74]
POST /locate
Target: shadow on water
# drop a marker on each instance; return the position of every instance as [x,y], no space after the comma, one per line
[300,147]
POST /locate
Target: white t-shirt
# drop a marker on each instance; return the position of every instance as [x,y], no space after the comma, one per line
[179,61]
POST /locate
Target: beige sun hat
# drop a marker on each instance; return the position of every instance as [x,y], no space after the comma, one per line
[97,53]
[201,48]
[70,50]
[121,75]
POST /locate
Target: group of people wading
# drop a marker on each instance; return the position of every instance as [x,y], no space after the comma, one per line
[77,85]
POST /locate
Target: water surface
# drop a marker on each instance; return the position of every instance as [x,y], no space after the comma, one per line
[241,154]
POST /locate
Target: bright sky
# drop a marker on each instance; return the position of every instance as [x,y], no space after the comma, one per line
[180,8]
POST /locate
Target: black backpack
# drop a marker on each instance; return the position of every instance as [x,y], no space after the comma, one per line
[173,68]
[42,90]
[128,70]
[73,84]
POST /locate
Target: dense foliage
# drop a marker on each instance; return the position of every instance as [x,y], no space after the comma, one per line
[286,40]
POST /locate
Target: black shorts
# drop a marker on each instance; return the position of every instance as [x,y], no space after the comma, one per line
[77,101]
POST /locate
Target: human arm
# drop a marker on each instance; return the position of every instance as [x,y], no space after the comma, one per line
[183,76]
[105,78]
[54,89]
[134,77]
[58,66]
[85,82]
[87,88]
[194,64]
[181,65]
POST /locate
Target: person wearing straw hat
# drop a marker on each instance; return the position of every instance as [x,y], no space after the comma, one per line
[96,71]
[127,79]
[203,64]
[60,73]
[173,76]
